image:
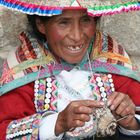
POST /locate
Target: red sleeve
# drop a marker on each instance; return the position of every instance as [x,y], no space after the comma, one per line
[14,105]
[128,86]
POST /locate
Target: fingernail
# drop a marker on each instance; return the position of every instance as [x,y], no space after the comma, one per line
[112,107]
[102,103]
[108,103]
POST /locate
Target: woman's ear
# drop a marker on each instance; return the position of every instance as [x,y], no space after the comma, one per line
[40,26]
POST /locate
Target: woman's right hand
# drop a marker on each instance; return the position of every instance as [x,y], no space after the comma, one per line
[75,115]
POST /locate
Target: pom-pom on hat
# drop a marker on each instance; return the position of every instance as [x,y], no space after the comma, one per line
[55,7]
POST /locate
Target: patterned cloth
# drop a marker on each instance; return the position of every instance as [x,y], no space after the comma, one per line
[33,60]
[55,7]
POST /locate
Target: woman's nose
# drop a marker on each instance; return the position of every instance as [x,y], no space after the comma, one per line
[76,33]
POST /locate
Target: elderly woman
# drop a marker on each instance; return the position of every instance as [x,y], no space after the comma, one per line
[67,78]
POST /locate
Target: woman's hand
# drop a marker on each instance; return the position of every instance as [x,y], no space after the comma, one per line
[122,105]
[75,115]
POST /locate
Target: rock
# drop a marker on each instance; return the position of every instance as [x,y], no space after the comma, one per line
[11,24]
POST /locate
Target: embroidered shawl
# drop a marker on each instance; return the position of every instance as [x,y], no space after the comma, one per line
[32,60]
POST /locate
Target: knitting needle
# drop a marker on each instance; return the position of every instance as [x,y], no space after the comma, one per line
[122,118]
[137,108]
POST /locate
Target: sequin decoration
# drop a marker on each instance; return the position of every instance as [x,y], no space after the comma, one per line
[26,127]
[39,89]
[105,85]
[45,91]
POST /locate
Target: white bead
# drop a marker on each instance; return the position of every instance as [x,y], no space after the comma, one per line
[36,86]
[98,79]
[49,90]
[36,94]
[20,123]
[48,79]
[15,134]
[30,130]
[8,136]
[113,89]
[49,84]
[103,94]
[47,101]
[36,90]
[104,99]
[26,131]
[100,84]
[109,76]
[35,101]
[102,89]
[48,95]
[20,132]
[12,135]
[31,119]
[23,132]
[13,125]
[37,82]
[112,85]
[110,80]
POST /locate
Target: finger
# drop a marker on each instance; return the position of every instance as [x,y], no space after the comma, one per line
[125,122]
[92,103]
[117,101]
[83,110]
[120,109]
[111,98]
[82,117]
[128,110]
[78,123]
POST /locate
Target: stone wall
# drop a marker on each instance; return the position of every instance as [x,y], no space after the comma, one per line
[124,27]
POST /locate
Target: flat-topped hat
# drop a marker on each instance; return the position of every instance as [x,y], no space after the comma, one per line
[55,7]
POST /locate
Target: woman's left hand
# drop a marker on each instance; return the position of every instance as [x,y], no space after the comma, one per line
[122,105]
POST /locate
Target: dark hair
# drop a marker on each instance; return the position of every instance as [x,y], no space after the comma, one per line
[32,22]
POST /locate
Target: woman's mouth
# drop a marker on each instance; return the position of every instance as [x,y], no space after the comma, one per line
[75,49]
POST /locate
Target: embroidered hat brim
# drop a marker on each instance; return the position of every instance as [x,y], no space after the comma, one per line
[55,7]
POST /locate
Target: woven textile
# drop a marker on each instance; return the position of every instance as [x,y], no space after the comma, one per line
[26,66]
[55,7]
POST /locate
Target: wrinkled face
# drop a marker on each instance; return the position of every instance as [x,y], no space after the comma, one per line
[69,35]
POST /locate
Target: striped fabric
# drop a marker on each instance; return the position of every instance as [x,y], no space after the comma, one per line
[55,7]
[30,61]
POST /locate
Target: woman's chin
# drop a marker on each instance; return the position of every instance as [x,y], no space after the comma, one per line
[73,60]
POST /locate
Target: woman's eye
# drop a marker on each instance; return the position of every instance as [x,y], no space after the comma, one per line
[86,19]
[63,22]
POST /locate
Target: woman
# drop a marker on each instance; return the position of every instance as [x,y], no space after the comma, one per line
[65,70]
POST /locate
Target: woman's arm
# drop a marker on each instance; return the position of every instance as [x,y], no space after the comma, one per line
[15,107]
[128,86]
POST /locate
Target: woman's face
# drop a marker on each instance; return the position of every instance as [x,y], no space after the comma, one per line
[69,35]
